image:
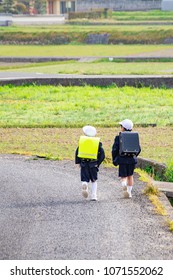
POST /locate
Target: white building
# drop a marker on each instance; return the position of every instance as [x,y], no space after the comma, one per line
[167,5]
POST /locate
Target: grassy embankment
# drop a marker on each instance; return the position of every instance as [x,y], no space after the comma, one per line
[78,34]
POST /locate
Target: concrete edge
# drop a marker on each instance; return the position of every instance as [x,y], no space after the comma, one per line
[167,205]
[80,80]
[78,58]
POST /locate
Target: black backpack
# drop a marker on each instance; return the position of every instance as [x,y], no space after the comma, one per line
[129,143]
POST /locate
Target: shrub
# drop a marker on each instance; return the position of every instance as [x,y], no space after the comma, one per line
[169,172]
[93,14]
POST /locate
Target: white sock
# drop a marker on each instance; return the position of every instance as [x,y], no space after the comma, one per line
[124,183]
[94,190]
[129,190]
[85,185]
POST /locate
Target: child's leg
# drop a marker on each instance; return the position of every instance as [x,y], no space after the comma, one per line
[85,179]
[94,191]
[123,175]
[130,185]
[124,183]
[85,189]
[130,180]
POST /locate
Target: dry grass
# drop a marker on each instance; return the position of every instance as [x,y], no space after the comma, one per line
[159,208]
[61,142]
[152,193]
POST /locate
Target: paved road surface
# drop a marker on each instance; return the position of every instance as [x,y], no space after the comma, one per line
[44,216]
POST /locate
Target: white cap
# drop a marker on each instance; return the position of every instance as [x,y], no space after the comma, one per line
[127,124]
[89,130]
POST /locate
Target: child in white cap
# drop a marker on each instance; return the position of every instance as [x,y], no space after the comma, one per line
[126,163]
[89,155]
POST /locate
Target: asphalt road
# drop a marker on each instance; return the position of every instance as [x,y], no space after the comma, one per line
[44,216]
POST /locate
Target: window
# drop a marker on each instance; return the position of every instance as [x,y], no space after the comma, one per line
[67,6]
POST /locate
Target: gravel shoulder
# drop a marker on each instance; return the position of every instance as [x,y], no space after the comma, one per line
[43,215]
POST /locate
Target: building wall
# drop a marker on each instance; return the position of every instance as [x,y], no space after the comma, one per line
[117,5]
[125,5]
[53,7]
[167,5]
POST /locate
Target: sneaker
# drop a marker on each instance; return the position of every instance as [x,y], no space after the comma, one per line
[85,190]
[130,195]
[94,198]
[127,194]
[124,185]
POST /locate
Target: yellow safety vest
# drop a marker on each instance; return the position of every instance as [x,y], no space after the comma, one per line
[88,147]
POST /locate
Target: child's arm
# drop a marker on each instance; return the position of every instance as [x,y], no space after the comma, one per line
[77,159]
[101,154]
[115,148]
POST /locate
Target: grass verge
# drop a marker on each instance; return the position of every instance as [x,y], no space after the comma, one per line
[94,68]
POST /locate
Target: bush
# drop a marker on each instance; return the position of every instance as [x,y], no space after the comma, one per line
[93,14]
[169,172]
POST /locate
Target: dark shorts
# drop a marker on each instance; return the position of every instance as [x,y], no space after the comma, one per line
[88,172]
[126,170]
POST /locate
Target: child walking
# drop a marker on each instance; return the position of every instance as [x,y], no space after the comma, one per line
[126,162]
[89,154]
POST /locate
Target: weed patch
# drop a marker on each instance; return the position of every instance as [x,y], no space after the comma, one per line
[170,225]
[169,172]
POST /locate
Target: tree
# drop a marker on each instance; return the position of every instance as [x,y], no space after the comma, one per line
[40,6]
[21,8]
[8,6]
[26,3]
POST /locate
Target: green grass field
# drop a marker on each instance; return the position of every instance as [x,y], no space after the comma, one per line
[81,50]
[142,15]
[51,106]
[47,120]
[95,68]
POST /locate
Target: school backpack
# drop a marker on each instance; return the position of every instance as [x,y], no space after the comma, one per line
[129,143]
[88,147]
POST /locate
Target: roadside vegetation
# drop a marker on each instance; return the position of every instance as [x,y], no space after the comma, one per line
[154,195]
